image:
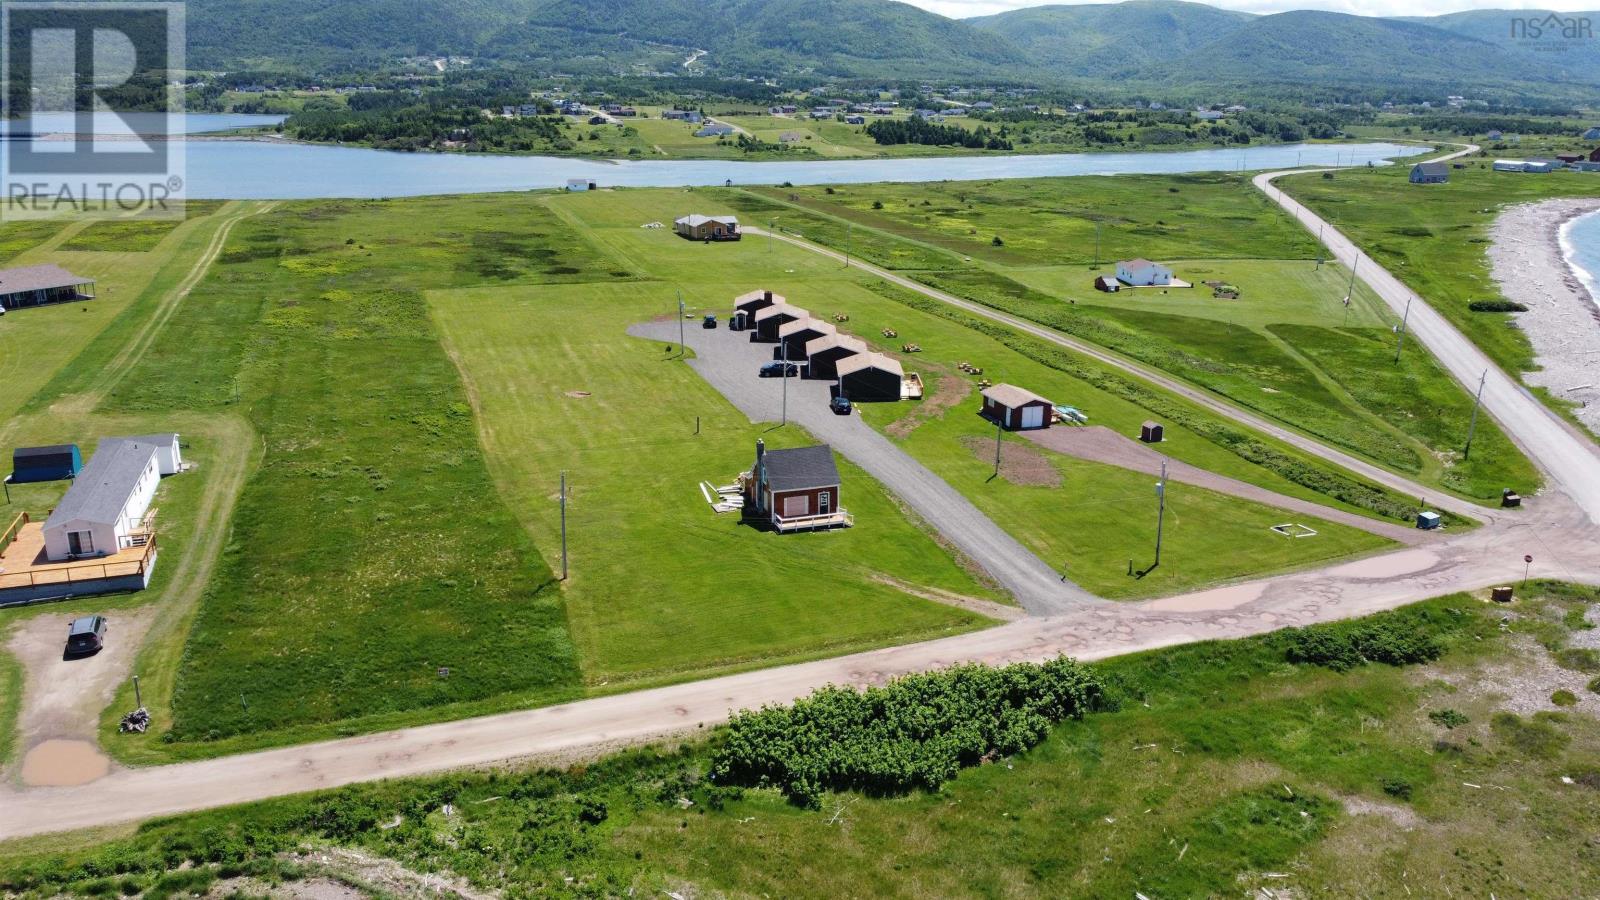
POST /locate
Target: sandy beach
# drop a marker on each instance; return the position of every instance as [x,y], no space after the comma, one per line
[1562,321]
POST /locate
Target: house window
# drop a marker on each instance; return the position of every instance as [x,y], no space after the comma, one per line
[80,543]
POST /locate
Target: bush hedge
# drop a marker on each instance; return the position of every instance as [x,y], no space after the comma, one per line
[1342,646]
[914,732]
[1496,306]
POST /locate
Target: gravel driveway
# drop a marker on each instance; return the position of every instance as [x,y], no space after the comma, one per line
[728,361]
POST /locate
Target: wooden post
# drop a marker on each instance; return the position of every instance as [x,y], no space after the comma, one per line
[138,699]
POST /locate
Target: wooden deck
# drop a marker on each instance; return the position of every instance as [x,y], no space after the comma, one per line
[23,563]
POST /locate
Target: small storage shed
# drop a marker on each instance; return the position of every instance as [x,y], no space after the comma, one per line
[794,336]
[769,320]
[1107,283]
[824,354]
[794,489]
[870,378]
[1015,409]
[580,184]
[1152,433]
[1428,521]
[52,463]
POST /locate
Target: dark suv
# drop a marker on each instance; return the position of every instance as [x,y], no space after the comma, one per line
[86,635]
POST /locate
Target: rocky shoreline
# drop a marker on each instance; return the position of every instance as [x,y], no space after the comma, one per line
[1562,321]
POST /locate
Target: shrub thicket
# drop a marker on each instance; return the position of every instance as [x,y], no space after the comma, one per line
[915,732]
[1344,645]
[1496,306]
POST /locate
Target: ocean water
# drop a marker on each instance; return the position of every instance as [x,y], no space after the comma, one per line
[1580,241]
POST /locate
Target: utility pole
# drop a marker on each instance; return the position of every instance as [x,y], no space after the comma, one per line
[563,526]
[1401,340]
[997,432]
[1161,510]
[1097,244]
[1350,290]
[1476,405]
[783,360]
[681,348]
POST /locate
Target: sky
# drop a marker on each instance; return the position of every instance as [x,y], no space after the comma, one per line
[964,8]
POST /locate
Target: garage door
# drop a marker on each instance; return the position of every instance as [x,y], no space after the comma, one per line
[1032,416]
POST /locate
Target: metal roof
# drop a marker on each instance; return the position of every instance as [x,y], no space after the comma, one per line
[1138,262]
[861,361]
[799,325]
[835,341]
[1010,396]
[38,452]
[38,278]
[781,309]
[800,468]
[102,489]
[695,219]
[766,296]
[1432,168]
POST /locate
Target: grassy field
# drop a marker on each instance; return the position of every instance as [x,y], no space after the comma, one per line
[661,585]
[1230,768]
[1434,238]
[1027,247]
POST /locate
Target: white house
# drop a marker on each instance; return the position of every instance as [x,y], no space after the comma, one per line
[580,184]
[1143,273]
[1509,165]
[105,507]
[1592,134]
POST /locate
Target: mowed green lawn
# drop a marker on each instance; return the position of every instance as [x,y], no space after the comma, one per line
[659,583]
[1434,237]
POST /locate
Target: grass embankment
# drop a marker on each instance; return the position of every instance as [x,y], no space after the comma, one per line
[1281,762]
[1029,247]
[1434,237]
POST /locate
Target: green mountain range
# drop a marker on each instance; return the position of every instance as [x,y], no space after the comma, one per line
[1145,45]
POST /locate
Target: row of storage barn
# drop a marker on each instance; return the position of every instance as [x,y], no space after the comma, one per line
[863,376]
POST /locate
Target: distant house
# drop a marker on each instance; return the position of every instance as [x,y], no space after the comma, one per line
[1430,173]
[823,354]
[52,463]
[1107,283]
[715,129]
[1569,158]
[683,115]
[794,336]
[1143,273]
[795,489]
[1494,135]
[1587,166]
[1594,155]
[870,378]
[1015,409]
[789,137]
[1509,165]
[104,510]
[1593,134]
[855,120]
[42,284]
[1208,115]
[580,184]
[770,321]
[696,227]
[597,120]
[1541,166]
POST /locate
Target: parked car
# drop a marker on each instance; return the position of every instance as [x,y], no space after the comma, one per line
[86,635]
[777,369]
[840,405]
[710,321]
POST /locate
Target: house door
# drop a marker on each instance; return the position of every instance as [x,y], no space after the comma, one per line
[1032,416]
[80,543]
[796,506]
[824,503]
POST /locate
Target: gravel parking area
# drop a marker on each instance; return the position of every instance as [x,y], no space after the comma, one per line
[728,360]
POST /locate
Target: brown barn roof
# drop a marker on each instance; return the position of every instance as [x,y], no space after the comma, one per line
[870,361]
[1011,396]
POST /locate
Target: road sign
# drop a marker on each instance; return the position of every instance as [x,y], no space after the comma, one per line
[1528,559]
